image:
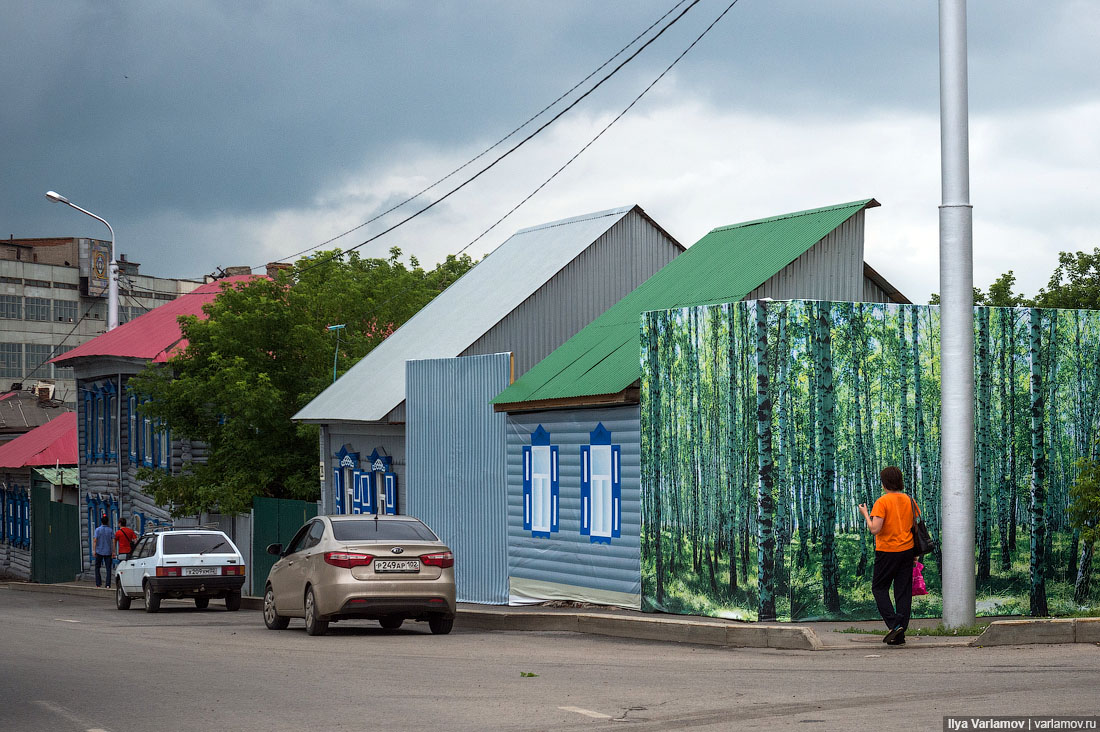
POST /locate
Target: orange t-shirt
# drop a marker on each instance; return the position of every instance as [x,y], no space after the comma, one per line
[896,512]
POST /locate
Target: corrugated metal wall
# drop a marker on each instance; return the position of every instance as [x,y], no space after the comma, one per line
[830,270]
[627,255]
[456,469]
[568,566]
[872,292]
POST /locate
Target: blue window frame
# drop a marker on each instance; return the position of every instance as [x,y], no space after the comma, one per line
[99,426]
[110,429]
[540,485]
[89,426]
[601,487]
[345,485]
[148,440]
[381,484]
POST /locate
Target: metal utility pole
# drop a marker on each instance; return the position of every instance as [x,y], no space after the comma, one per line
[956,323]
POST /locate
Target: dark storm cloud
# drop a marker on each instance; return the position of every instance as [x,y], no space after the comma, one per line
[150,111]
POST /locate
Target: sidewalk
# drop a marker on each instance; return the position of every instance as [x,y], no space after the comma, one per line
[617,622]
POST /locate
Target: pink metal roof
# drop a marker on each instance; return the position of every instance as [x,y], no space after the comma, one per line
[51,444]
[154,336]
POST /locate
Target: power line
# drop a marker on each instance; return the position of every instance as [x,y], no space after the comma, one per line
[496,144]
[512,149]
[605,129]
[590,142]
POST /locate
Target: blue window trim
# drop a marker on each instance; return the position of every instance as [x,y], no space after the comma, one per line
[378,463]
[89,433]
[601,436]
[110,401]
[99,427]
[540,438]
[148,441]
[344,459]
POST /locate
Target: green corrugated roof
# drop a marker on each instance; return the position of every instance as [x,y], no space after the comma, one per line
[724,266]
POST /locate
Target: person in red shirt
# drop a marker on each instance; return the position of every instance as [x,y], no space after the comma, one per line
[125,538]
[891,522]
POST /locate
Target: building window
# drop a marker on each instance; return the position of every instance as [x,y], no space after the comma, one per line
[11,360]
[36,283]
[36,357]
[110,404]
[38,308]
[89,426]
[601,487]
[100,425]
[148,443]
[540,485]
[62,372]
[64,311]
[11,306]
[132,429]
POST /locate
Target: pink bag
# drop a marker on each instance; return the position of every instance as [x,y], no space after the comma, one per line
[919,587]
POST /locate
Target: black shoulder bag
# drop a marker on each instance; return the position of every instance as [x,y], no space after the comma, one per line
[922,539]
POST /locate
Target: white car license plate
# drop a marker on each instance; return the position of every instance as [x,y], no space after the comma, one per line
[193,571]
[396,565]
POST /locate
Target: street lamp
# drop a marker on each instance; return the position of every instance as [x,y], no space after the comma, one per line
[112,281]
[336,354]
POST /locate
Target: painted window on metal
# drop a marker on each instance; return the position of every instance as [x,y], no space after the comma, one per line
[540,485]
[601,487]
[381,483]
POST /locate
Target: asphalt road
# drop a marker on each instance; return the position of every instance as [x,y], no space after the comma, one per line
[70,663]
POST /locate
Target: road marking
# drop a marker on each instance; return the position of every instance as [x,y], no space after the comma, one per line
[69,715]
[586,712]
[63,620]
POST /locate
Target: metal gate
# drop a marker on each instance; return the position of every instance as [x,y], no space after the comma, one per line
[55,539]
[274,521]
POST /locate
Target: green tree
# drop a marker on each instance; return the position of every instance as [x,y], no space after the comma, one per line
[262,353]
[1075,284]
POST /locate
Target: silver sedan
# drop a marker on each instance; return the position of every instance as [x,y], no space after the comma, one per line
[384,568]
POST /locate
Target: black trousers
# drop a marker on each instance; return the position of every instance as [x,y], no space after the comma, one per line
[893,568]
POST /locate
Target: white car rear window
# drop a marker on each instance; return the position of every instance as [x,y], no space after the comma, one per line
[198,544]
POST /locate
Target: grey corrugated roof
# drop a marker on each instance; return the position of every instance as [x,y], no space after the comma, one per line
[460,315]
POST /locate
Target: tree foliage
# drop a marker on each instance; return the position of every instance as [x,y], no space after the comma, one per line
[1074,285]
[263,352]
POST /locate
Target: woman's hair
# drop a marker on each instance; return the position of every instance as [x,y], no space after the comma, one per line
[891,478]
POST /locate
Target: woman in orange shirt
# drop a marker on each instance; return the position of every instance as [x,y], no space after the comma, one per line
[891,522]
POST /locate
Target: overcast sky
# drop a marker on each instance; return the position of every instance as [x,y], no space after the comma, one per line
[236,133]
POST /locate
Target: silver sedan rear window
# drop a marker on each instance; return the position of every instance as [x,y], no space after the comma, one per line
[368,530]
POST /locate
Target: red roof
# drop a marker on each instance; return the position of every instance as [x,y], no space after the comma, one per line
[51,444]
[154,336]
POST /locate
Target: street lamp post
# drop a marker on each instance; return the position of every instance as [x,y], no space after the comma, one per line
[112,280]
[336,355]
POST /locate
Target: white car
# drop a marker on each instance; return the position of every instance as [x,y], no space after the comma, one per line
[180,563]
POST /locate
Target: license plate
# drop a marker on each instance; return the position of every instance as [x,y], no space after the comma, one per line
[396,565]
[193,571]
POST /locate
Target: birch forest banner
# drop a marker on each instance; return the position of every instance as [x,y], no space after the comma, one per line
[764,425]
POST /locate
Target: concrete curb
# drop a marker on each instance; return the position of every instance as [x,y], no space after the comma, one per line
[697,631]
[1024,632]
